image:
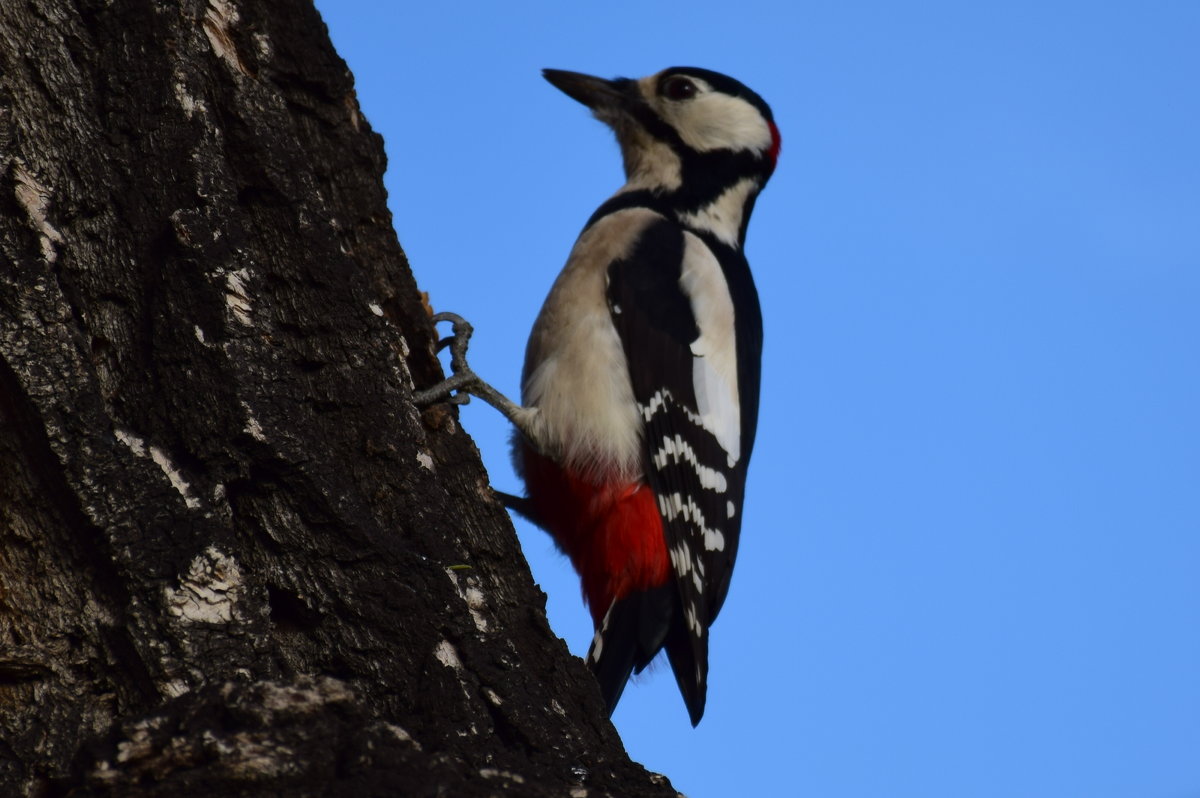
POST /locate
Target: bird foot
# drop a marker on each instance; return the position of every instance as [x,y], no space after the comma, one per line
[455,389]
[463,383]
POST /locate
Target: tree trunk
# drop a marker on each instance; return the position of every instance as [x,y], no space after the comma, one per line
[234,558]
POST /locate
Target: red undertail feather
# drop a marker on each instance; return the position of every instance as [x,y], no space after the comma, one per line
[611,530]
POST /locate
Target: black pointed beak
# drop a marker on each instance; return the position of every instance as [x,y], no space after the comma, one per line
[596,93]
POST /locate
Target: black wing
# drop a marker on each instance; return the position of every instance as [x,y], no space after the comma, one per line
[691,426]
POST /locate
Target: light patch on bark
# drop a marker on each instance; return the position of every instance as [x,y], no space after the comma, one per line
[237,297]
[352,111]
[448,655]
[468,589]
[199,333]
[375,308]
[306,696]
[187,102]
[209,591]
[135,444]
[174,688]
[476,605]
[176,478]
[139,744]
[400,734]
[253,428]
[219,17]
[35,199]
[496,773]
[139,448]
[251,756]
[425,460]
[262,43]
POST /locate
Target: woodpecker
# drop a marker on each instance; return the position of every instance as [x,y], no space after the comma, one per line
[641,381]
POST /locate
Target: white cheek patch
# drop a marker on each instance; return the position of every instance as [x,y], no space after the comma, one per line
[714,365]
[714,121]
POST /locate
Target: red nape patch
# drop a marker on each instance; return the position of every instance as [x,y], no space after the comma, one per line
[776,143]
[611,530]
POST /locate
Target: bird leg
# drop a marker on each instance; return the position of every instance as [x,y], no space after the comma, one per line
[463,383]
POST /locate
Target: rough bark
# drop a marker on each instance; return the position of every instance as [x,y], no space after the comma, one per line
[234,558]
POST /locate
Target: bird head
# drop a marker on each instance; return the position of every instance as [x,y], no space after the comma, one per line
[680,121]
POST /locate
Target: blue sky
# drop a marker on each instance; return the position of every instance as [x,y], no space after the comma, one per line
[970,563]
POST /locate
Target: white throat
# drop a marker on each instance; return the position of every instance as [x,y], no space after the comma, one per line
[652,165]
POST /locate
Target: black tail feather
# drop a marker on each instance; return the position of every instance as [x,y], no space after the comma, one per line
[631,634]
[689,661]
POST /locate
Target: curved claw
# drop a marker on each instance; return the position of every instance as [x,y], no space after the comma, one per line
[463,382]
[460,337]
[454,388]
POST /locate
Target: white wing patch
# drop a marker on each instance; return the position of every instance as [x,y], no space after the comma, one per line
[714,365]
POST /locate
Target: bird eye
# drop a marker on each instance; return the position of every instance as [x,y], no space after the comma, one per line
[678,88]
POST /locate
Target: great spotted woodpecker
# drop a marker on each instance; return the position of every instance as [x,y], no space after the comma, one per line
[641,381]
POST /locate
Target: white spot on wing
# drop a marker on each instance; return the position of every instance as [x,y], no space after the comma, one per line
[676,505]
[714,540]
[678,450]
[598,639]
[656,403]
